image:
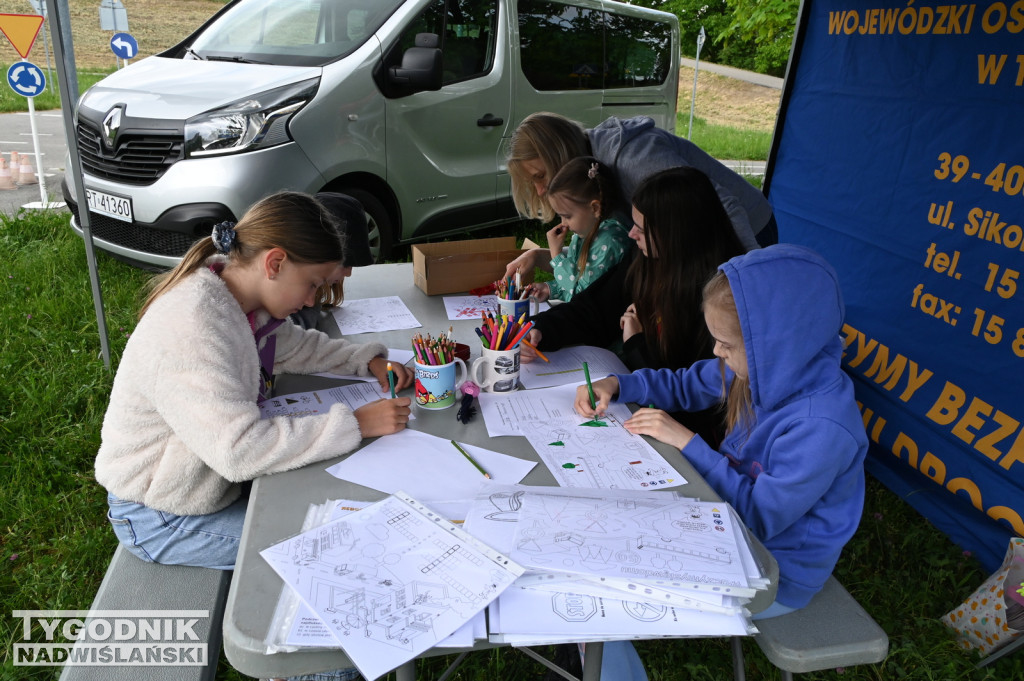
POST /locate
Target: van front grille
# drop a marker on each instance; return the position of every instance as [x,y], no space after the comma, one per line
[140,159]
[135,236]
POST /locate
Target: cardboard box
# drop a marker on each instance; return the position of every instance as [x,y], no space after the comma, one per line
[459,266]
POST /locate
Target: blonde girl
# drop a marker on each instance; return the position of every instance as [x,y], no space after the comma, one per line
[182,432]
[792,460]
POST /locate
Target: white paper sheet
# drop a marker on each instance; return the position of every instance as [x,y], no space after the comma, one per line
[303,627]
[503,412]
[606,456]
[394,355]
[591,611]
[684,544]
[427,467]
[391,580]
[602,454]
[370,315]
[353,396]
[566,366]
[525,611]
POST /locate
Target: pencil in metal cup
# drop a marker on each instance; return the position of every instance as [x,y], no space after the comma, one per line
[590,386]
[391,380]
[470,459]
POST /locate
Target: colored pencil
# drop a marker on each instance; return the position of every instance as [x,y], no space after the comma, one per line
[590,386]
[470,459]
[518,337]
[391,380]
[534,348]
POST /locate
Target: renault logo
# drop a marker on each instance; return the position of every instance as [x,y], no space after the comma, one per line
[111,126]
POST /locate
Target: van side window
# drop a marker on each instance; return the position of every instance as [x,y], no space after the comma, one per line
[561,46]
[638,51]
[467,29]
[566,47]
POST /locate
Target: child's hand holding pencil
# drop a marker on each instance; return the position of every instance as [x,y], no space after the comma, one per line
[604,392]
[401,375]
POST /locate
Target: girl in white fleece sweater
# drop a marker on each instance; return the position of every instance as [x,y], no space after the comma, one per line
[183,432]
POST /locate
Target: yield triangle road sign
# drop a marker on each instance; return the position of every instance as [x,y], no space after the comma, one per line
[21,30]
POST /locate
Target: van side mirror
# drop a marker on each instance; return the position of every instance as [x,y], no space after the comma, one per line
[421,65]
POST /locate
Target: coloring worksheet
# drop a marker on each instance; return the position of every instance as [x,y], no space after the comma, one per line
[599,453]
[568,615]
[369,315]
[295,625]
[470,307]
[353,396]
[579,451]
[391,580]
[504,412]
[659,539]
[542,608]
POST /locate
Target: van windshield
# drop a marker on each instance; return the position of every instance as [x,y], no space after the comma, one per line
[294,33]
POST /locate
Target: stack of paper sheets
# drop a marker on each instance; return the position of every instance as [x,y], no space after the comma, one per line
[614,565]
[391,580]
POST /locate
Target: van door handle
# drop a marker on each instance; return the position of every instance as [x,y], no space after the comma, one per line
[489,121]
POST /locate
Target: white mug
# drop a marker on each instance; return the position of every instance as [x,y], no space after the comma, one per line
[496,371]
[517,308]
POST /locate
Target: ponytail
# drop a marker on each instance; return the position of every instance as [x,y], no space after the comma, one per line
[295,222]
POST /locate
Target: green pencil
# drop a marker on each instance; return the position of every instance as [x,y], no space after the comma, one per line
[391,380]
[470,459]
[590,386]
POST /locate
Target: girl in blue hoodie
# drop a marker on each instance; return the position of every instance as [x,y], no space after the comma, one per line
[792,460]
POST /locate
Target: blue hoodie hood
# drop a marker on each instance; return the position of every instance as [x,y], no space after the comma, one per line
[791,311]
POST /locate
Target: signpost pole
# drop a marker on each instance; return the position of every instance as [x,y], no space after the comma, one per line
[696,66]
[40,175]
[64,56]
[39,6]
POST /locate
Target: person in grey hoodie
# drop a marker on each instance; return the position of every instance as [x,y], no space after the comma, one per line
[634,148]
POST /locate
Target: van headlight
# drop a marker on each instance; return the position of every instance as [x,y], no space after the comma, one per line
[254,122]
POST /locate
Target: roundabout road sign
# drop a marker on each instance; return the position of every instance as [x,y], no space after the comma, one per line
[26,79]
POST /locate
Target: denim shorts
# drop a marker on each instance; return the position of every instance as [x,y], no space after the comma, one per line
[209,540]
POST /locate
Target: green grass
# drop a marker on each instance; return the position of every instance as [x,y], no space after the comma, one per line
[55,542]
[724,142]
[11,102]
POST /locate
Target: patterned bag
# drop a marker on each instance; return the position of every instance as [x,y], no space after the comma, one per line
[993,615]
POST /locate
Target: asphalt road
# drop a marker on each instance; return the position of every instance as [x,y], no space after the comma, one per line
[16,135]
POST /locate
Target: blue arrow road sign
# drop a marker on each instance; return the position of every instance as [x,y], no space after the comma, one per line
[124,46]
[26,79]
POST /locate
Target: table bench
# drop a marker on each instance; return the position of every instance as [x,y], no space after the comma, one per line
[832,631]
[133,584]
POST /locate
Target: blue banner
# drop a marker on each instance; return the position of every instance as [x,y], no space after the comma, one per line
[900,157]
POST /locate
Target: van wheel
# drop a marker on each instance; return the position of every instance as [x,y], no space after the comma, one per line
[378,221]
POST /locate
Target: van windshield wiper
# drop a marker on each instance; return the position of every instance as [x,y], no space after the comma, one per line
[189,50]
[235,58]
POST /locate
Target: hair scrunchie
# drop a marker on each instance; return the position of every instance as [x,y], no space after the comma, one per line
[223,236]
[592,173]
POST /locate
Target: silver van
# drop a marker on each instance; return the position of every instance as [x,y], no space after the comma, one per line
[407,105]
